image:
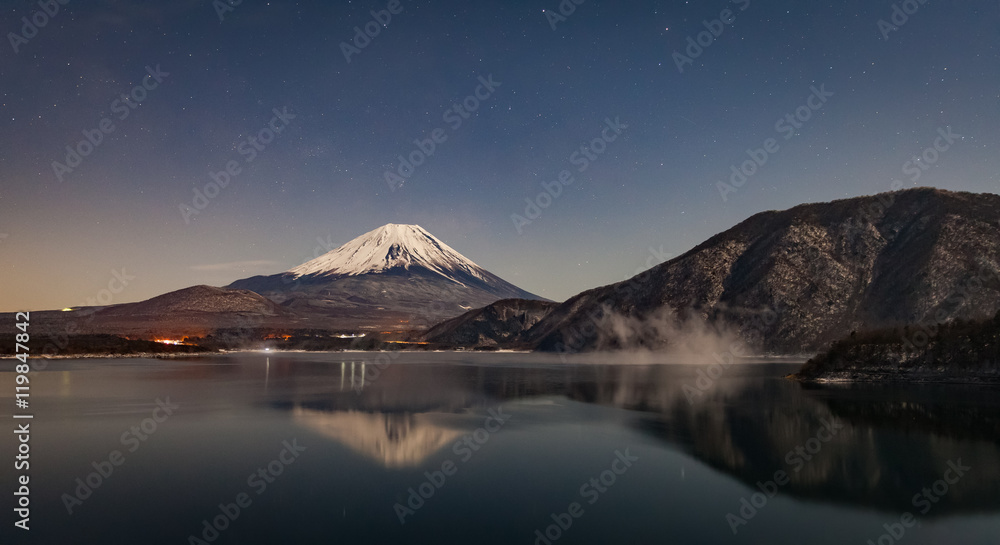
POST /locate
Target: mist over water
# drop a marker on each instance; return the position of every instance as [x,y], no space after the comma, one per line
[665,336]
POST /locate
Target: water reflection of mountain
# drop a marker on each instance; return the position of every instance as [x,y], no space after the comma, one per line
[406,413]
[394,440]
[895,440]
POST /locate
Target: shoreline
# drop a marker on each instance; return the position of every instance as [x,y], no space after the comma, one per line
[875,378]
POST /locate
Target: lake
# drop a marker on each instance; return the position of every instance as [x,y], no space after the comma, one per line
[444,448]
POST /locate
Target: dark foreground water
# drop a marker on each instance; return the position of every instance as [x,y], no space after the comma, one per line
[493,448]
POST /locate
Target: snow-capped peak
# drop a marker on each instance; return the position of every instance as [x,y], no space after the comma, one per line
[388,247]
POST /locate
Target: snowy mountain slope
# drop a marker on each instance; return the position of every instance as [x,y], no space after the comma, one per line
[394,276]
[388,247]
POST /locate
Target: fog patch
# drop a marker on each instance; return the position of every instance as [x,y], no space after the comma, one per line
[665,335]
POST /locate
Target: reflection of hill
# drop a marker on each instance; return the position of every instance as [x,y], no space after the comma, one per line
[891,446]
[895,440]
[972,414]
[393,439]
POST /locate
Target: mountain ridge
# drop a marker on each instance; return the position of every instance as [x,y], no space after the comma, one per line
[824,269]
[792,281]
[783,282]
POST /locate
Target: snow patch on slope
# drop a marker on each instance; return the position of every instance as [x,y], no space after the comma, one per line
[388,247]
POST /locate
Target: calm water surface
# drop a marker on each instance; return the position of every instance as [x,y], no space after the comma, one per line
[494,448]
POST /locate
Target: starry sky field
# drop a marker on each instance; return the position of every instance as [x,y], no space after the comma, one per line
[561,146]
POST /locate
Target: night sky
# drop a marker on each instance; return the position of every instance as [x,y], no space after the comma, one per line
[653,190]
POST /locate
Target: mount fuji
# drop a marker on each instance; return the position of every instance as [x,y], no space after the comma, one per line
[396,276]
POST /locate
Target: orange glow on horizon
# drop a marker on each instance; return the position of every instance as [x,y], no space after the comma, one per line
[174,342]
